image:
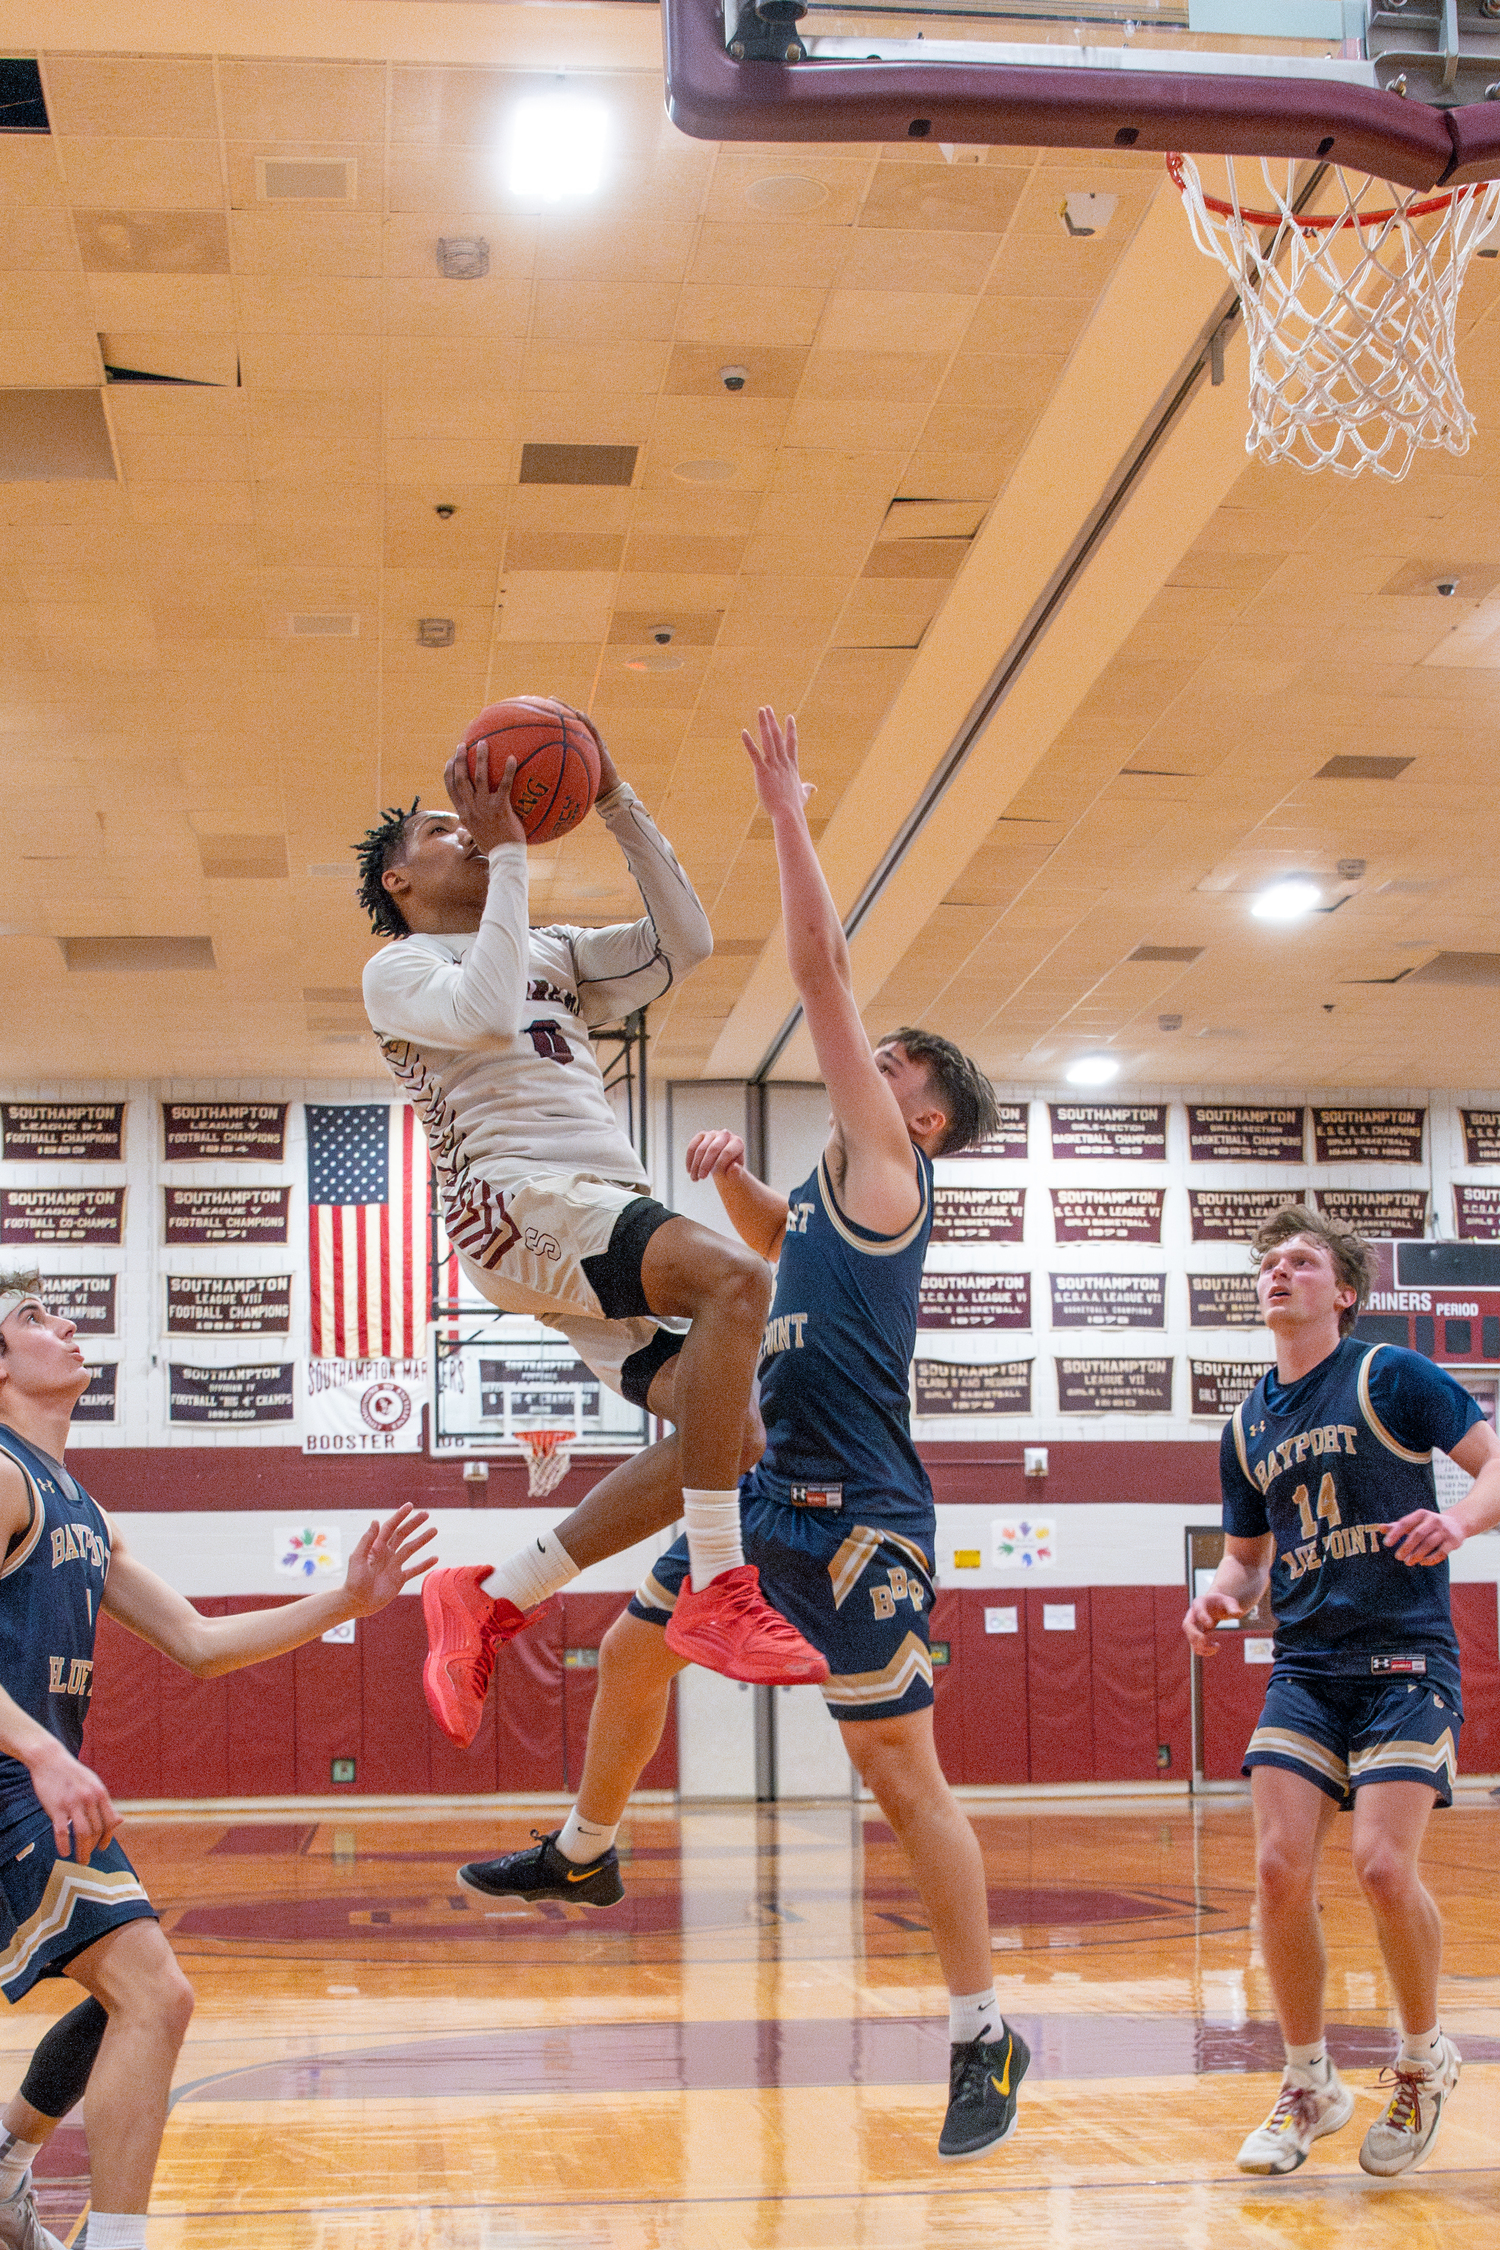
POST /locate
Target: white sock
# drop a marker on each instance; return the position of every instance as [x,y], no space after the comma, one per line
[1313,2058]
[116,2230]
[713,1533]
[973,2015]
[529,1577]
[1421,2046]
[583,1840]
[16,2160]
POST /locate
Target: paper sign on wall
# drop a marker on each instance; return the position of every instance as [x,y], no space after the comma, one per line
[1059,1617]
[308,1551]
[1002,1621]
[1023,1543]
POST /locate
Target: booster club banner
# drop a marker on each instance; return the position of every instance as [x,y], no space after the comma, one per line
[91,1217]
[975,1300]
[1107,1214]
[363,1405]
[1235,1214]
[220,1304]
[946,1386]
[978,1214]
[1368,1136]
[1109,1300]
[224,1132]
[232,1397]
[1222,1300]
[1220,1134]
[214,1216]
[1007,1142]
[1219,1384]
[1114,1386]
[1396,1214]
[1110,1132]
[62,1132]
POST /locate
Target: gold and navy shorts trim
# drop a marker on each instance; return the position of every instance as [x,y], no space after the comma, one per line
[52,1909]
[1342,1733]
[860,1593]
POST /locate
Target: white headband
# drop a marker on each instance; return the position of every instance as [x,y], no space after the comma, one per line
[13,1298]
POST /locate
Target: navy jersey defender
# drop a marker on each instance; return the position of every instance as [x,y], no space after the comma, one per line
[1325,1464]
[51,1588]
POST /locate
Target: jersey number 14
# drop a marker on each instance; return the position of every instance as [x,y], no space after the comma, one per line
[1327,1509]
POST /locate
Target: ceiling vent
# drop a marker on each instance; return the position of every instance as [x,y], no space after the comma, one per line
[51,437]
[137,956]
[1458,968]
[23,106]
[1165,953]
[243,859]
[317,179]
[1362,769]
[337,625]
[578,464]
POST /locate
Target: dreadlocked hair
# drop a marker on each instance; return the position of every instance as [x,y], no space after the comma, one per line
[966,1094]
[375,855]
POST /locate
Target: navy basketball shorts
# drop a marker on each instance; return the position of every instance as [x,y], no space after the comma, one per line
[51,1908]
[862,1595]
[1341,1734]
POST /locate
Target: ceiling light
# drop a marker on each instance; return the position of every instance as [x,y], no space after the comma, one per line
[1093,1070]
[1286,902]
[557,148]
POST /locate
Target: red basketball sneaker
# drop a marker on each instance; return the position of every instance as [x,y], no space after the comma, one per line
[731,1628]
[465,1626]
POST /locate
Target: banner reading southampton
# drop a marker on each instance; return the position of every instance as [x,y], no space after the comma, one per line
[224,1132]
[220,1304]
[1478,1212]
[975,1300]
[209,1217]
[1107,1214]
[363,1405]
[1220,1384]
[1368,1136]
[1008,1141]
[1229,1134]
[87,1299]
[62,1132]
[1114,1386]
[1395,1214]
[978,1214]
[90,1217]
[1110,1132]
[232,1396]
[1235,1214]
[947,1386]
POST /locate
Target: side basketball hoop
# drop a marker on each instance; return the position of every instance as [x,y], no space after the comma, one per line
[549,1456]
[1349,313]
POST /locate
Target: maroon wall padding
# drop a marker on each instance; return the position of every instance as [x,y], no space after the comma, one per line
[1122,1622]
[394,1757]
[122,1736]
[1476,1620]
[1174,1692]
[586,1620]
[526,1696]
[262,1717]
[950,1695]
[194,1727]
[993,1690]
[330,1712]
[1233,1692]
[1060,1720]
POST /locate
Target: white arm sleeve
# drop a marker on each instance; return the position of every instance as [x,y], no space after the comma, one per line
[457,1004]
[621,968]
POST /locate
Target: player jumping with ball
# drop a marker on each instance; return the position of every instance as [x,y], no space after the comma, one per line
[484,1023]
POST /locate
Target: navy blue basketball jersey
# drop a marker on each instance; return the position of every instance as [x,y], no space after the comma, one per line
[1322,1464]
[835,1362]
[51,1585]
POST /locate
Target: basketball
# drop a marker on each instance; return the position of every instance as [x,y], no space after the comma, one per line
[557,762]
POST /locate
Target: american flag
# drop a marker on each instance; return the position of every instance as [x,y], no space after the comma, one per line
[367,1224]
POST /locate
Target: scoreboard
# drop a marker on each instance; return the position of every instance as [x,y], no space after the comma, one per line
[1441,1299]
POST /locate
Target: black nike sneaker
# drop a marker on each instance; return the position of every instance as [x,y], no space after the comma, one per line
[983,2079]
[542,1872]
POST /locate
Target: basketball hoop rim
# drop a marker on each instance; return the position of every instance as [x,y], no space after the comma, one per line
[1314,221]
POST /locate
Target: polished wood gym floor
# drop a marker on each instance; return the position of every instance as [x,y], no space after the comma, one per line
[750,2052]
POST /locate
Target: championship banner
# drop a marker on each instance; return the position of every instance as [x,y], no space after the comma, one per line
[1222,1300]
[363,1405]
[1219,1134]
[211,1217]
[1107,1214]
[91,1217]
[1397,1214]
[946,1386]
[978,1214]
[1110,1132]
[224,1132]
[1481,1135]
[62,1132]
[220,1304]
[975,1300]
[98,1401]
[1008,1142]
[1219,1385]
[232,1397]
[1368,1136]
[87,1299]
[1477,1211]
[1235,1214]
[1109,1300]
[1114,1386]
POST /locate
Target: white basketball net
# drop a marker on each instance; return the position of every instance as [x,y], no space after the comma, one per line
[1349,311]
[548,1459]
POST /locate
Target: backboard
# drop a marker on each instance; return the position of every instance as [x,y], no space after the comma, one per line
[495,1374]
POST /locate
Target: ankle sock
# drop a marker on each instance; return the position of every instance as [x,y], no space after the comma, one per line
[713,1533]
[116,2230]
[529,1577]
[1421,2046]
[974,2015]
[16,2160]
[1313,2058]
[583,1840]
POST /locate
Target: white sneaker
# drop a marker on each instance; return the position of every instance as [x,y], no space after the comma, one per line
[1310,2104]
[20,2228]
[1407,2127]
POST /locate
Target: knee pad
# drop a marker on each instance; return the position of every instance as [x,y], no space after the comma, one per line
[60,2068]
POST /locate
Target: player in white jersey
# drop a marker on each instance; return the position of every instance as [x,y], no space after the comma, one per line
[484,1023]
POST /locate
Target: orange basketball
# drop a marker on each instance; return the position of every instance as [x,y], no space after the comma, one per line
[557,762]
